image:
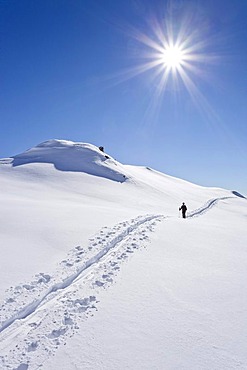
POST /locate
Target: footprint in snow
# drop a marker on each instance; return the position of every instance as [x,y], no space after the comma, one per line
[134,245]
[68,320]
[123,256]
[99,283]
[22,367]
[44,278]
[69,264]
[84,304]
[57,333]
[28,287]
[32,347]
[80,253]
[10,300]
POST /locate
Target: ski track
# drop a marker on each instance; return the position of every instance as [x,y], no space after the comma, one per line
[206,207]
[39,316]
[30,308]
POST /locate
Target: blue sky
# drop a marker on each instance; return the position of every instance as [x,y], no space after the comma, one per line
[71,70]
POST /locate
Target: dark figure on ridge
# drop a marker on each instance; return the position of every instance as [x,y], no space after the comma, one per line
[183,208]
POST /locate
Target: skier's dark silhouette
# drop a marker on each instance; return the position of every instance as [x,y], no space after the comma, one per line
[183,208]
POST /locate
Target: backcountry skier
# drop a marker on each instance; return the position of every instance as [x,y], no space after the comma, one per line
[183,208]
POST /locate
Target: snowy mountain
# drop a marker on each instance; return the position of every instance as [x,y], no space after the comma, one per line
[99,271]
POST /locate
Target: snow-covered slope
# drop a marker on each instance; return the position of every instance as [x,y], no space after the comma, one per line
[74,221]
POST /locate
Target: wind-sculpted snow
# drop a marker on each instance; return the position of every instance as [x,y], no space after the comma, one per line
[44,312]
[70,156]
[238,194]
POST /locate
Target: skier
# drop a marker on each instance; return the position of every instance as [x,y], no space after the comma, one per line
[183,208]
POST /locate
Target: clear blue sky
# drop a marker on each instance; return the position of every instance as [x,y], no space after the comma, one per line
[69,71]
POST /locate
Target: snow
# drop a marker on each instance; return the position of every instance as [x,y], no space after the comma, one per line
[98,271]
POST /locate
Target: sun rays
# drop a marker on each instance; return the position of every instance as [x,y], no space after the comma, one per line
[171,55]
[175,56]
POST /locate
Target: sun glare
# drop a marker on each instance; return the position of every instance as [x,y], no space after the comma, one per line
[172,57]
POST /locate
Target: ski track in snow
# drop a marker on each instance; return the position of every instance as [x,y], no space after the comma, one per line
[206,207]
[39,316]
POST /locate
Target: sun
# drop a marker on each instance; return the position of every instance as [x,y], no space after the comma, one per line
[172,57]
[176,57]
